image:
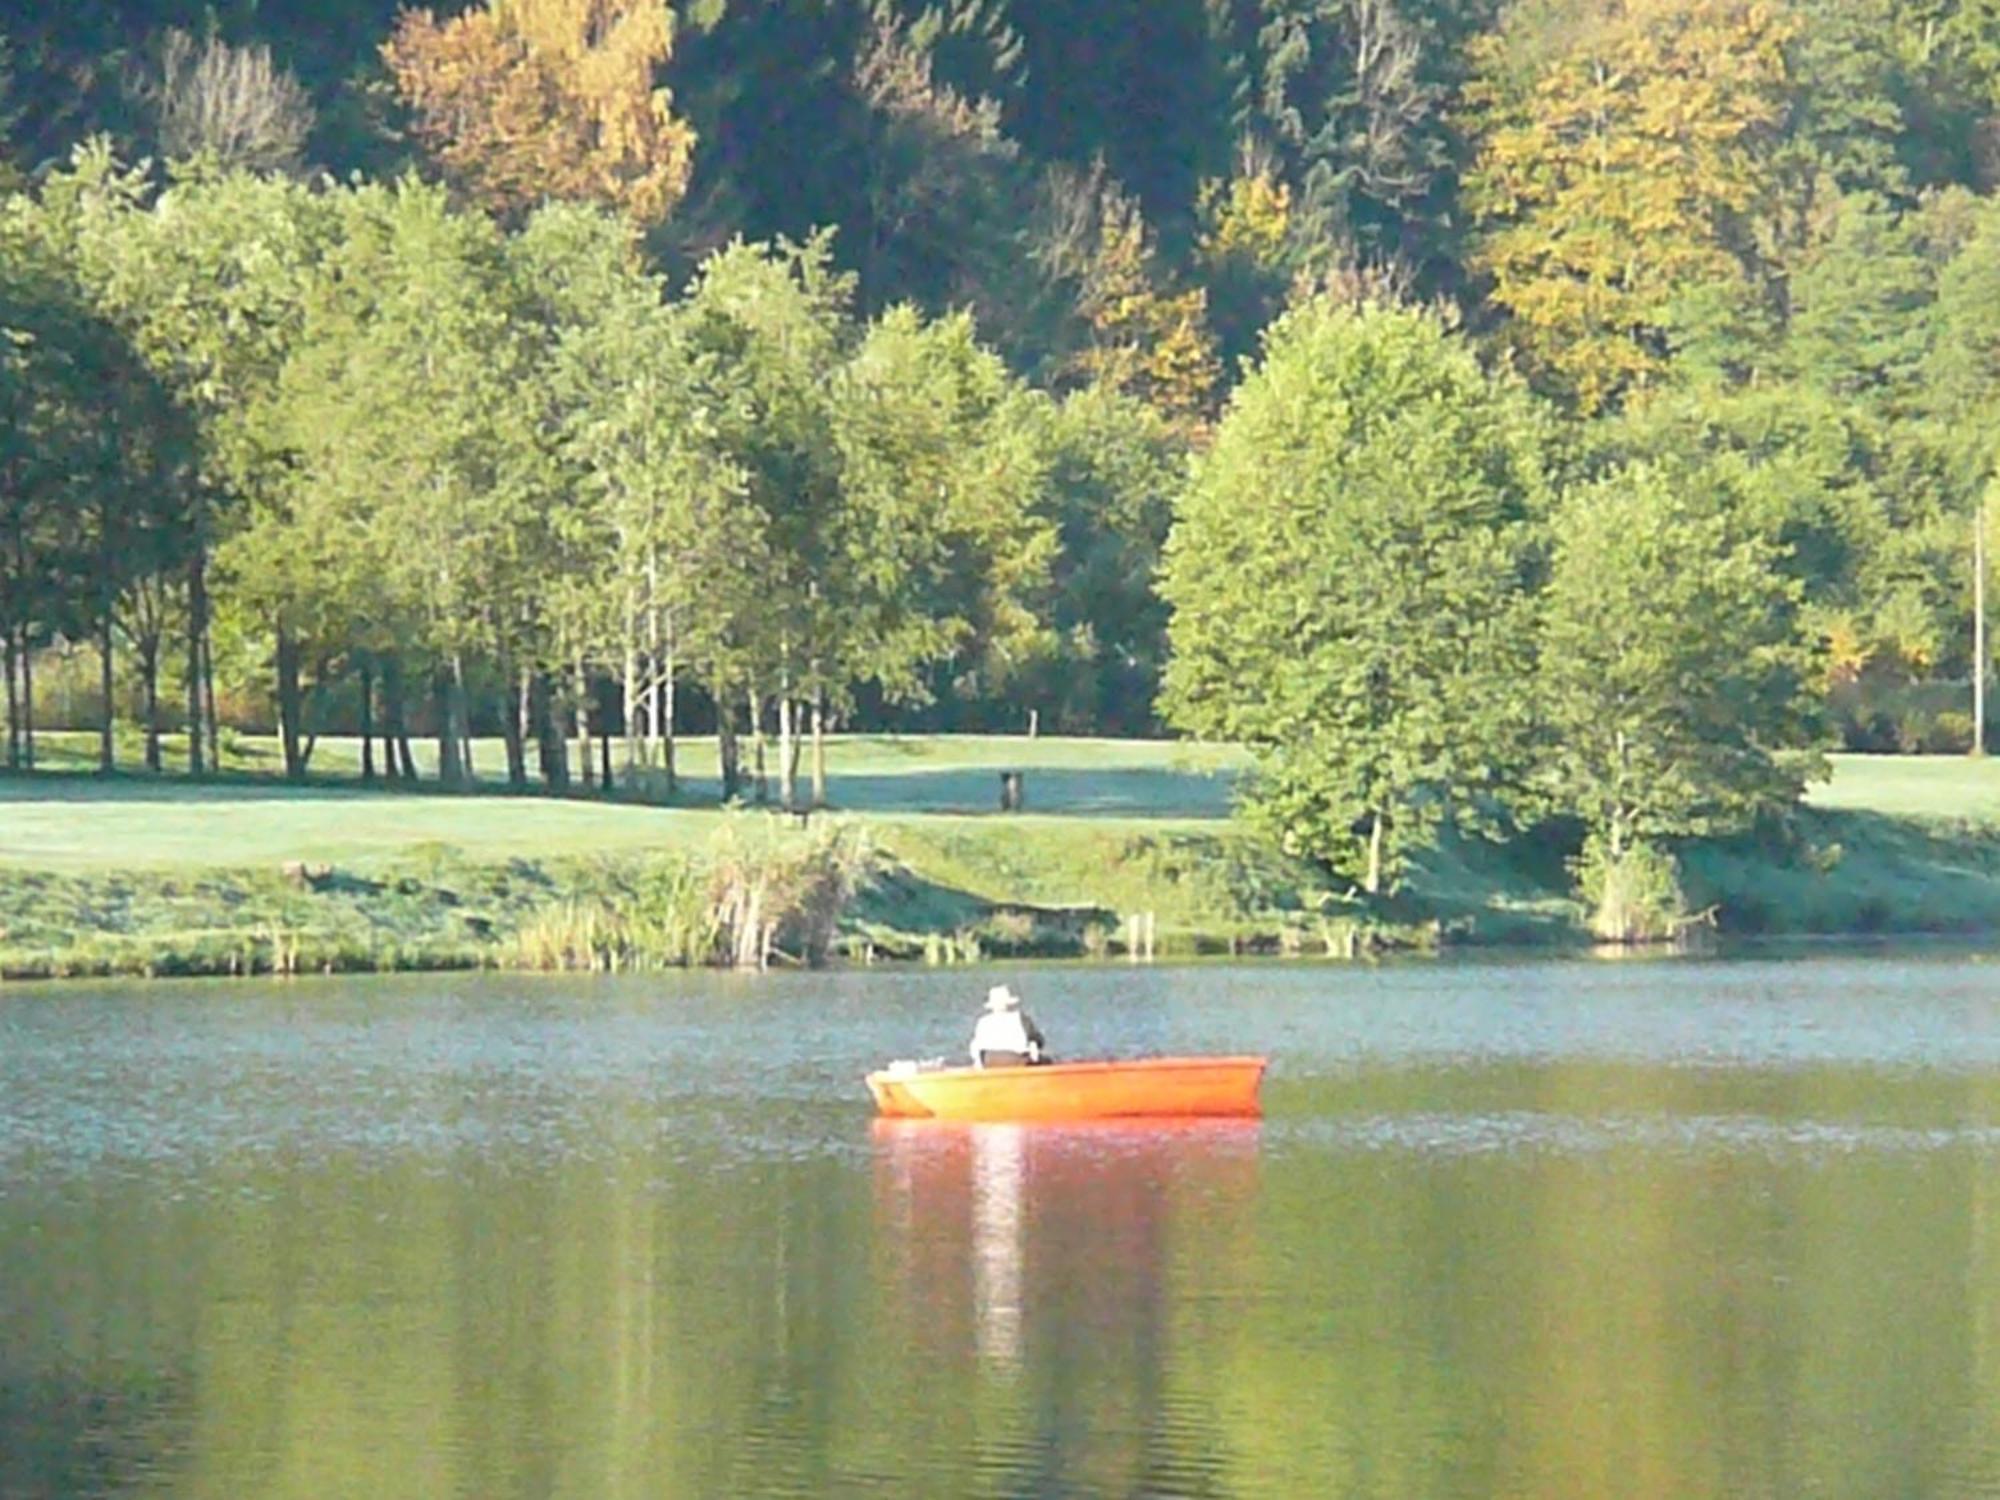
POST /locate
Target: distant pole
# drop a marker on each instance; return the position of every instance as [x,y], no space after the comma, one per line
[1979,630]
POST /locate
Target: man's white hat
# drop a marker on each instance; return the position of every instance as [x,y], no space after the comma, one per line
[1002,998]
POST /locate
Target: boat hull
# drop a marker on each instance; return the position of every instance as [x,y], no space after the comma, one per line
[1155,1087]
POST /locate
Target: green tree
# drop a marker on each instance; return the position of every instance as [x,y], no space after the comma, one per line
[1860,321]
[1351,99]
[779,320]
[1964,386]
[945,542]
[1963,371]
[10,176]
[1349,577]
[51,434]
[386,521]
[208,280]
[660,552]
[1116,467]
[1673,676]
[101,452]
[1859,508]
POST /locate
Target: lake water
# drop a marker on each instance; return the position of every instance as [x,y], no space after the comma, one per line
[1719,1228]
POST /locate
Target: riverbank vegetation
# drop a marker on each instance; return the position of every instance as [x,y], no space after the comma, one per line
[1538,432]
[139,877]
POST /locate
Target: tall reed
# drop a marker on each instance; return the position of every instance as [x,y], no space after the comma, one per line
[759,891]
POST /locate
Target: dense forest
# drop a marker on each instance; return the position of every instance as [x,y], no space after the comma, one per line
[1576,408]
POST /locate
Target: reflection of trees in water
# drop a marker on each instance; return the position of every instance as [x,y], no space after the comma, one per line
[1112,1310]
[86,1432]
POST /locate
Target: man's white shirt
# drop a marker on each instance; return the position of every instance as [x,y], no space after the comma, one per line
[1000,1031]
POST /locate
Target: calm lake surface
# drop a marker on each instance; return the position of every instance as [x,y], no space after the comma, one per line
[1719,1228]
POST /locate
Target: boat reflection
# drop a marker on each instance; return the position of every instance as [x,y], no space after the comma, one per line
[997,1235]
[999,1165]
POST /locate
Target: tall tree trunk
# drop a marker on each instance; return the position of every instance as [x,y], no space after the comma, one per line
[107,755]
[451,770]
[197,623]
[510,729]
[794,756]
[604,749]
[149,678]
[581,709]
[666,725]
[756,711]
[13,700]
[632,690]
[788,767]
[549,735]
[653,735]
[788,755]
[819,749]
[524,716]
[209,714]
[1373,884]
[368,727]
[1624,752]
[398,764]
[290,702]
[728,753]
[1979,629]
[461,712]
[27,701]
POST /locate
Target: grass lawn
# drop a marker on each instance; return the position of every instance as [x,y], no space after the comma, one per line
[78,823]
[944,788]
[119,872]
[865,773]
[1913,786]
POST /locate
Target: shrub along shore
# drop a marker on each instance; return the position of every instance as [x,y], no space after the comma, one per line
[129,877]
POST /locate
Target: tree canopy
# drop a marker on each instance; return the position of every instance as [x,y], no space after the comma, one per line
[1349,577]
[1299,372]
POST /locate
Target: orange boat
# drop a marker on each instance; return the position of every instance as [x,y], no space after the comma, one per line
[1140,1087]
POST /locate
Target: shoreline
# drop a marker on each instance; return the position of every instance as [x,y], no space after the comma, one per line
[1124,845]
[954,893]
[60,971]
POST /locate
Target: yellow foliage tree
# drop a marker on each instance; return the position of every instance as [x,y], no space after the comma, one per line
[1149,343]
[526,100]
[1247,217]
[1627,169]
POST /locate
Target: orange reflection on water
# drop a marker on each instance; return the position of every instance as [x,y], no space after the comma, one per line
[998,1233]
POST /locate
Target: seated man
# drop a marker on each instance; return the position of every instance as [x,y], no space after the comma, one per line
[1006,1037]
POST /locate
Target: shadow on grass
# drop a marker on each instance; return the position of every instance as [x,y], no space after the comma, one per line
[1120,793]
[1067,793]
[903,914]
[138,786]
[1516,890]
[1850,872]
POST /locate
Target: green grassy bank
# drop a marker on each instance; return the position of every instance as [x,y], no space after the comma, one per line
[135,875]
